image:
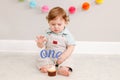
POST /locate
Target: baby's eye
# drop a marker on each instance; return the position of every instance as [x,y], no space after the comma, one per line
[59,24]
[53,24]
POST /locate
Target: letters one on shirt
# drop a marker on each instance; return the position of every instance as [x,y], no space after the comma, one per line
[49,53]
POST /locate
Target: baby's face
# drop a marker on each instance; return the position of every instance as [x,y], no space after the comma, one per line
[57,25]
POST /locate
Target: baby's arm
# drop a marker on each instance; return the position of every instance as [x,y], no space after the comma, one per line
[65,54]
[40,41]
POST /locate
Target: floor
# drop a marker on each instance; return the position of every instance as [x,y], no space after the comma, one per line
[21,66]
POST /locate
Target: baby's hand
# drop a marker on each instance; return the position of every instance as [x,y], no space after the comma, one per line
[41,39]
[60,60]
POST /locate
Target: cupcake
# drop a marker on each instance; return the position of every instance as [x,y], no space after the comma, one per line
[52,71]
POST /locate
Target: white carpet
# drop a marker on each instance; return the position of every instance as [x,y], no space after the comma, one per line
[87,67]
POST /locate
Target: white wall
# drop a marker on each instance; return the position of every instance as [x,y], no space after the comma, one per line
[100,23]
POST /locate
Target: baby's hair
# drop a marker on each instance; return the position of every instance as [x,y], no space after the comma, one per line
[56,12]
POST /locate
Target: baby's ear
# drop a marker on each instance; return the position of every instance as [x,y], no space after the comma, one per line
[66,23]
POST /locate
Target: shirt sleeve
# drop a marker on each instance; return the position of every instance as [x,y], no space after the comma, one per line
[70,39]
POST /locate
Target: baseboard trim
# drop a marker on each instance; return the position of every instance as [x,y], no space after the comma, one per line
[82,47]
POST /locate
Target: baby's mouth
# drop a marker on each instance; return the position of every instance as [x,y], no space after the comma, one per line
[56,30]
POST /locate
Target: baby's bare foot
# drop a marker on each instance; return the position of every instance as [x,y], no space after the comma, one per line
[44,69]
[65,71]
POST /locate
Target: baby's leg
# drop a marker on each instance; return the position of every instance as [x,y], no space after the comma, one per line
[44,68]
[44,64]
[64,70]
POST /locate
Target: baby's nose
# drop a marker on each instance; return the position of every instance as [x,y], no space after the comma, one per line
[56,26]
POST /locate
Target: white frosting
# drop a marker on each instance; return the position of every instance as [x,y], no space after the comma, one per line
[52,69]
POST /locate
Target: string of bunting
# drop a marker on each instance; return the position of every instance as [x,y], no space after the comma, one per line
[72,9]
